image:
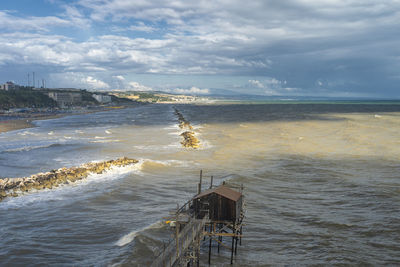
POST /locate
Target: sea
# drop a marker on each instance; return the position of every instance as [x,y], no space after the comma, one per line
[321,183]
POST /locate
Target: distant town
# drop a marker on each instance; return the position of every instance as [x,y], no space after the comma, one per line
[14,96]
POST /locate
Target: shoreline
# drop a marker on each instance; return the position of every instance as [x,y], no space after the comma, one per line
[18,121]
[13,124]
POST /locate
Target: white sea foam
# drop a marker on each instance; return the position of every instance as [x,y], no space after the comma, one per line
[78,189]
[171,162]
[106,141]
[128,238]
[28,148]
[108,132]
[50,133]
[172,127]
[204,144]
[158,147]
[24,148]
[24,133]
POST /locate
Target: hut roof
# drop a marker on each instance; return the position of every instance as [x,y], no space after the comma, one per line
[223,191]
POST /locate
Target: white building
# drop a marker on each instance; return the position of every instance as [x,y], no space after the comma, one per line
[102,98]
[9,86]
[65,99]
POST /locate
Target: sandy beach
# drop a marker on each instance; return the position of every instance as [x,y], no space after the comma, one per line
[15,124]
[17,121]
[12,123]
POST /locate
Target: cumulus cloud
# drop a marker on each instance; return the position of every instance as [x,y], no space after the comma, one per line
[76,80]
[256,83]
[95,83]
[138,87]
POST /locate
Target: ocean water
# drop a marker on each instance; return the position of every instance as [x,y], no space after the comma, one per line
[322,184]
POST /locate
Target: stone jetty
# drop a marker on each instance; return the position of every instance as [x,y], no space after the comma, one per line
[12,187]
[189,140]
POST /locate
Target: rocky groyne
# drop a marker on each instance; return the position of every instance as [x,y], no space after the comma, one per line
[189,139]
[12,187]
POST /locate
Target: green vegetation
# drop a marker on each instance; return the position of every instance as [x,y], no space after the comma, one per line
[24,98]
[120,100]
[87,98]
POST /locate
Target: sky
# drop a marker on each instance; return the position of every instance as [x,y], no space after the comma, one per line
[315,48]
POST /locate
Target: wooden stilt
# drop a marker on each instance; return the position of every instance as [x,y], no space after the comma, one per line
[209,247]
[236,241]
[198,252]
[240,240]
[201,178]
[219,239]
[233,243]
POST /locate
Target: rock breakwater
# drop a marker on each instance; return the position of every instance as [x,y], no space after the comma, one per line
[189,139]
[12,187]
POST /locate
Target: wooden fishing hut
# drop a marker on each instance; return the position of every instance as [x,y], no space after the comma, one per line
[223,207]
[221,203]
[210,215]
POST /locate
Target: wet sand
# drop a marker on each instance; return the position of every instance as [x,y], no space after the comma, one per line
[15,124]
[19,121]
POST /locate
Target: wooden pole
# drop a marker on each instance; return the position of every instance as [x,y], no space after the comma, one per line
[211,183]
[177,232]
[240,240]
[233,244]
[198,251]
[236,244]
[201,177]
[209,246]
[219,237]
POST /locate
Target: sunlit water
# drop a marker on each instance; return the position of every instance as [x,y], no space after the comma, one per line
[321,184]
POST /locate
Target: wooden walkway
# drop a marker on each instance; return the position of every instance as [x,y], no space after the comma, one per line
[190,235]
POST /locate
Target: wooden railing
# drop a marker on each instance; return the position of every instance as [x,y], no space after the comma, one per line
[192,231]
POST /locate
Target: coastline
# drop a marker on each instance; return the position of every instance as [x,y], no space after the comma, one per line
[18,121]
[24,122]
[15,124]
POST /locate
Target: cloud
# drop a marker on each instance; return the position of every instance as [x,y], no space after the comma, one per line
[76,80]
[11,23]
[76,17]
[119,77]
[141,27]
[342,43]
[138,87]
[256,83]
[93,83]
[271,86]
[191,91]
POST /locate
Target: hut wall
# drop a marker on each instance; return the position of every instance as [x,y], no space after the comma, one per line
[220,208]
